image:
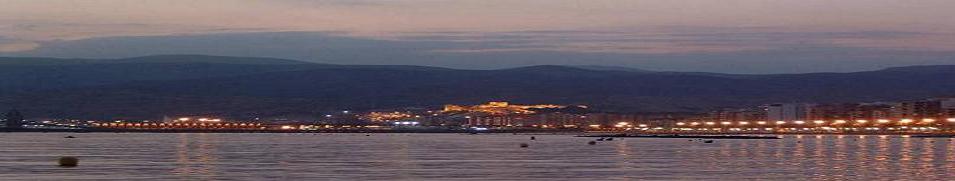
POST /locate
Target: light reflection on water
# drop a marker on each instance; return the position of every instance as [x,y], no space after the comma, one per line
[198,156]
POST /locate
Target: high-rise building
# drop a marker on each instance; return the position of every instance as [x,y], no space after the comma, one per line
[920,109]
[786,112]
[733,115]
[13,119]
[948,107]
[842,111]
[870,111]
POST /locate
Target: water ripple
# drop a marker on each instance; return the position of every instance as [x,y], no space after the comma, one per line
[206,156]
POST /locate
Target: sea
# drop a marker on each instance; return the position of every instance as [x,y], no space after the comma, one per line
[431,156]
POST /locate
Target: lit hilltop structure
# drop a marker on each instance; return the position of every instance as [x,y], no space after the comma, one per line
[500,108]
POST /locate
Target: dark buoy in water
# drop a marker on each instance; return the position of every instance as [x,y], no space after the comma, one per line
[69,161]
[592,143]
[707,141]
[524,145]
[609,139]
[533,138]
[689,140]
[367,135]
[69,137]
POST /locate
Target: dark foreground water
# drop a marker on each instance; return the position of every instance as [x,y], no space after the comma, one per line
[239,156]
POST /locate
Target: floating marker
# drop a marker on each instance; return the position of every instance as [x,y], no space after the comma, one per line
[69,161]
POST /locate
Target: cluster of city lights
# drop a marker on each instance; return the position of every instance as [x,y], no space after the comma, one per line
[622,125]
[825,128]
[406,123]
[170,124]
[816,122]
[186,119]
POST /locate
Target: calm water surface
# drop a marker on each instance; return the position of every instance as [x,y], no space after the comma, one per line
[241,156]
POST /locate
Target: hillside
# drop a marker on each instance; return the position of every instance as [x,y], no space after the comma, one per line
[197,86]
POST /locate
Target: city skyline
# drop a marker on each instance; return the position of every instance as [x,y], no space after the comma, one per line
[923,116]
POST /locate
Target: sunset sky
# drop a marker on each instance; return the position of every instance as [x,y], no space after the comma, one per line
[730,36]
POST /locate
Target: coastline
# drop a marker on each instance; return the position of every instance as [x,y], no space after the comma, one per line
[462,131]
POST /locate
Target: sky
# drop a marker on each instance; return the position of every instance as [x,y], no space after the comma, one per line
[727,36]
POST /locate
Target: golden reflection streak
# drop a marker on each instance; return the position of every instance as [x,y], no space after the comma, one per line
[800,151]
[182,156]
[207,156]
[905,157]
[623,151]
[818,153]
[881,156]
[927,155]
[862,157]
[725,150]
[199,160]
[838,160]
[761,151]
[949,158]
[744,150]
[780,147]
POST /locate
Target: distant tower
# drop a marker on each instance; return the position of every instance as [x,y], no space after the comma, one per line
[14,119]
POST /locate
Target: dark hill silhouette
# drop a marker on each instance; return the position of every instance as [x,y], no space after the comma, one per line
[200,86]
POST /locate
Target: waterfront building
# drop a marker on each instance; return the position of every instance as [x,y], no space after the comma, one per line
[13,119]
[873,111]
[831,111]
[737,115]
[948,107]
[786,112]
[559,119]
[496,120]
[925,109]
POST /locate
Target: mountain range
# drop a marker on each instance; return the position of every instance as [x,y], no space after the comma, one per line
[153,86]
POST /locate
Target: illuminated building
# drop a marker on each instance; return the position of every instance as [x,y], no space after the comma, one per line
[387,116]
[491,120]
[496,104]
[499,108]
